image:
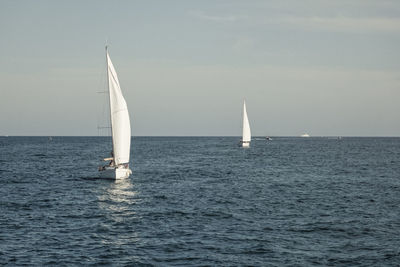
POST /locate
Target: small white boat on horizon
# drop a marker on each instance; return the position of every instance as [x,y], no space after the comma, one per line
[246,133]
[118,166]
[305,135]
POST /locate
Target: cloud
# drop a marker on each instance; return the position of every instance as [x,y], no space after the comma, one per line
[243,43]
[340,24]
[378,24]
[215,18]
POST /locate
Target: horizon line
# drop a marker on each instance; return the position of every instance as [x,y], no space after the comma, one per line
[256,136]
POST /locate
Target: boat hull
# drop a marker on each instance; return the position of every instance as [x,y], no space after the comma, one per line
[115,173]
[244,144]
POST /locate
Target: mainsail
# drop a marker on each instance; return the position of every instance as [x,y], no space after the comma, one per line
[246,126]
[120,124]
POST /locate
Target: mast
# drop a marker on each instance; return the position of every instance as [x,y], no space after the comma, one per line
[109,103]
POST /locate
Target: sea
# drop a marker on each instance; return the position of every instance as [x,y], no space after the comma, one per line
[201,201]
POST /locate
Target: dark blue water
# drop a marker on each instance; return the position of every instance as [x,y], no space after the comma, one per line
[202,201]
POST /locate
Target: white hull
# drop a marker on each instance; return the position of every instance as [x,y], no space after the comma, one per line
[244,144]
[115,173]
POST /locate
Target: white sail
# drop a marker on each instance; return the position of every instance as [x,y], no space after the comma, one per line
[120,124]
[246,137]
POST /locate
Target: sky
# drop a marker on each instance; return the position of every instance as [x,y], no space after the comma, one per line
[326,68]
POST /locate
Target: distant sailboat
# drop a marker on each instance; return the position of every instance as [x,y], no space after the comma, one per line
[246,134]
[118,166]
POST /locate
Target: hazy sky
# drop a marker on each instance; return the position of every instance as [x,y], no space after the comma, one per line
[317,67]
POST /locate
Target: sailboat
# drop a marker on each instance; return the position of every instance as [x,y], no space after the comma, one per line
[246,135]
[118,166]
